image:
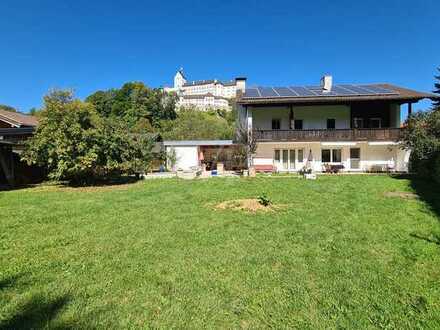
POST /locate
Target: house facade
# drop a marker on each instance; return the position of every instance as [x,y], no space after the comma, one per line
[203,94]
[353,128]
[15,128]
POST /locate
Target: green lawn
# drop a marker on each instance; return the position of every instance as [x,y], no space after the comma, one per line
[339,253]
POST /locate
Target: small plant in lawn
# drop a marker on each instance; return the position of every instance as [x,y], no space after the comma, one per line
[264,200]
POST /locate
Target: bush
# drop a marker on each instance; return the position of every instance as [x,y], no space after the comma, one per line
[422,137]
[264,200]
[436,168]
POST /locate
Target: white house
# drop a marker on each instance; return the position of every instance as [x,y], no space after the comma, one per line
[345,127]
[204,94]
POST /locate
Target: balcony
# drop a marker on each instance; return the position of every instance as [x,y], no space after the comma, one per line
[308,135]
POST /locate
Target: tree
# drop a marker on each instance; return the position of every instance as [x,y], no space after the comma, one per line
[135,102]
[422,137]
[193,124]
[437,89]
[7,108]
[246,145]
[34,111]
[73,142]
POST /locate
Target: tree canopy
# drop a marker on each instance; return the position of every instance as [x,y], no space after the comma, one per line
[73,142]
[422,137]
[136,104]
[193,124]
[7,108]
[437,89]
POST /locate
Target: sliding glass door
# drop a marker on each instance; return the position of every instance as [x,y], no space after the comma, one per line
[288,159]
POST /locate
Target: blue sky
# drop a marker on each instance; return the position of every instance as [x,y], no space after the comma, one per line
[91,45]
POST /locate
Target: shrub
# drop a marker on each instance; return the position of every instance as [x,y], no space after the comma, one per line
[264,200]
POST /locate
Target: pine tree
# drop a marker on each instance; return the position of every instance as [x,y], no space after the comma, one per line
[436,104]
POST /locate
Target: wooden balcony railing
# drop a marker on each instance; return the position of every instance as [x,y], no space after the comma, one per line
[362,134]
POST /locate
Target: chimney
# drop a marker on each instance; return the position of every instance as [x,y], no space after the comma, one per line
[240,84]
[326,83]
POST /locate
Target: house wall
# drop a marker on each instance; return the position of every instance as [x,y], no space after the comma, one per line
[314,117]
[371,155]
[186,157]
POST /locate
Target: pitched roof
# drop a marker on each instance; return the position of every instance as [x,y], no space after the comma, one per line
[18,119]
[338,94]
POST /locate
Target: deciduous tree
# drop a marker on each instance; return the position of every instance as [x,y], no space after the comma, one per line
[73,142]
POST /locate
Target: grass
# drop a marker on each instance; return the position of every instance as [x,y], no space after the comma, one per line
[156,254]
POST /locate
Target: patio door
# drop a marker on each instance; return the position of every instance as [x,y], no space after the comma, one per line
[285,159]
[355,158]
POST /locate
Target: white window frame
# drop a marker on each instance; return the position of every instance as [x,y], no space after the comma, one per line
[359,168]
[291,166]
[331,162]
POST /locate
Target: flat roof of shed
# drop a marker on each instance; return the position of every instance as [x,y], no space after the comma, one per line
[198,143]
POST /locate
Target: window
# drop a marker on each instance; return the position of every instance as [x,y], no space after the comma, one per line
[292,158]
[331,123]
[325,156]
[331,155]
[298,124]
[276,124]
[376,122]
[358,123]
[285,158]
[300,155]
[336,155]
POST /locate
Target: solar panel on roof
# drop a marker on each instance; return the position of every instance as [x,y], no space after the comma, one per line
[267,92]
[285,92]
[302,91]
[358,90]
[378,89]
[342,91]
[251,92]
[316,91]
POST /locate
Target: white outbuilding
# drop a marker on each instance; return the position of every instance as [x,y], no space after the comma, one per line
[188,154]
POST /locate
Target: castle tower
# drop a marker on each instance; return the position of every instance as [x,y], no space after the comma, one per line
[179,79]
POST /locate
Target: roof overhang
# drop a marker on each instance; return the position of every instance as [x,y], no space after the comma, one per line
[326,100]
[403,95]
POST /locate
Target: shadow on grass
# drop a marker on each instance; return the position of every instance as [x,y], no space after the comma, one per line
[434,238]
[8,282]
[124,180]
[37,313]
[428,191]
